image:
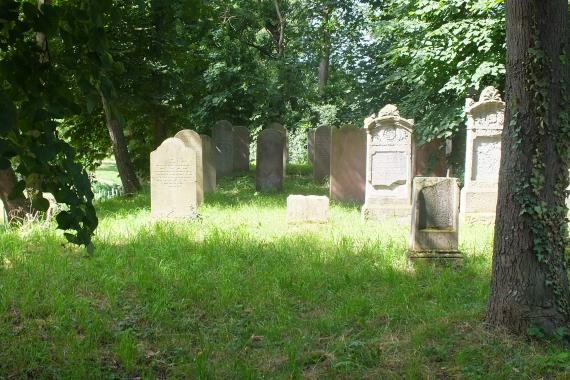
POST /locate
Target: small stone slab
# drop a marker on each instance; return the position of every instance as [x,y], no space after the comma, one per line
[209,163]
[435,216]
[173,181]
[307,209]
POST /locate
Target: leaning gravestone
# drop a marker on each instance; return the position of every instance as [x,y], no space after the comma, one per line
[348,164]
[485,120]
[269,166]
[209,164]
[223,136]
[307,209]
[193,141]
[241,149]
[435,218]
[388,166]
[282,129]
[311,145]
[173,181]
[322,158]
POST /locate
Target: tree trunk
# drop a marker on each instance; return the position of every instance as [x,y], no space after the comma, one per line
[279,35]
[325,53]
[529,287]
[16,205]
[159,131]
[125,167]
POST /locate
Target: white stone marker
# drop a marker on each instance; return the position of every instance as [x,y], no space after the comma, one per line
[193,141]
[435,216]
[173,181]
[485,120]
[388,166]
[307,209]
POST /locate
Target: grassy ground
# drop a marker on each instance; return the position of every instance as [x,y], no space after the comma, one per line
[239,294]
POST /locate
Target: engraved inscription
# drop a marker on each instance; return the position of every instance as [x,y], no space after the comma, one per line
[388,168]
[389,136]
[493,120]
[487,159]
[173,173]
[435,210]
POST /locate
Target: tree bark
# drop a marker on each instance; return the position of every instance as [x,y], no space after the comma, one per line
[16,205]
[529,287]
[279,36]
[125,167]
[159,131]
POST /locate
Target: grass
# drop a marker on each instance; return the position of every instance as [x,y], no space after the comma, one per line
[239,294]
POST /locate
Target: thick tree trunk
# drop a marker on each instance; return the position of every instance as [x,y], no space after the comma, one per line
[17,207]
[529,285]
[125,167]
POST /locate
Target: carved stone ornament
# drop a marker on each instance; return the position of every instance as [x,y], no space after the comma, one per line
[389,110]
[490,94]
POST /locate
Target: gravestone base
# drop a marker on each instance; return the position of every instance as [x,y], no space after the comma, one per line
[452,257]
[477,218]
[478,206]
[387,209]
[435,240]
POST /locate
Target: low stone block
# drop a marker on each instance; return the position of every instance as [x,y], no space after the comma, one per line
[307,209]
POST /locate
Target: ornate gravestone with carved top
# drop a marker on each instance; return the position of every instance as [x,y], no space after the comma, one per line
[388,166]
[485,120]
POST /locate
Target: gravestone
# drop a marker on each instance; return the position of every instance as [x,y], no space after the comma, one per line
[430,159]
[435,217]
[311,146]
[322,158]
[282,129]
[3,216]
[208,163]
[223,136]
[348,164]
[269,167]
[241,149]
[485,120]
[193,141]
[388,166]
[173,181]
[307,209]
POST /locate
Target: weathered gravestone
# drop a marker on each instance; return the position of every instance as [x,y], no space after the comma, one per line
[311,146]
[208,163]
[3,216]
[322,158]
[485,120]
[307,209]
[269,166]
[348,164]
[430,159]
[241,149]
[223,136]
[435,217]
[193,141]
[388,166]
[282,129]
[173,181]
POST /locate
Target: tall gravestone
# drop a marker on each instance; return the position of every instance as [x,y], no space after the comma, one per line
[269,168]
[435,217]
[223,136]
[485,120]
[430,159]
[322,158]
[173,181]
[193,141]
[209,164]
[310,146]
[389,168]
[241,149]
[282,129]
[348,164]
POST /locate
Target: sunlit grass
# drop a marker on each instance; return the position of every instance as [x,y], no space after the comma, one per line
[240,294]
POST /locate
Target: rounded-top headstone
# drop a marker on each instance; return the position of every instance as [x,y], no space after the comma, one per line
[223,136]
[193,141]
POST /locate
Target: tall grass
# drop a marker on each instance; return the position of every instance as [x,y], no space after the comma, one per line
[239,294]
